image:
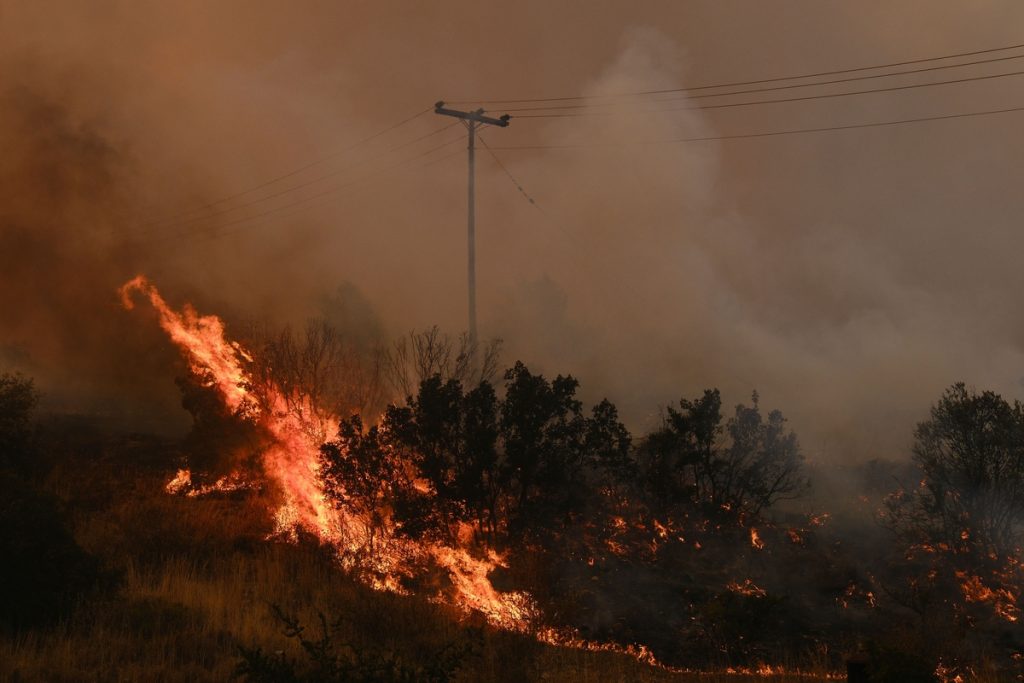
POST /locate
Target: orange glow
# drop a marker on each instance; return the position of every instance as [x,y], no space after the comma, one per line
[1003,601]
[383,559]
[748,588]
[291,463]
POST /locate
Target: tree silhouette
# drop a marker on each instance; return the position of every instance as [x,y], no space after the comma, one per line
[741,467]
[971,455]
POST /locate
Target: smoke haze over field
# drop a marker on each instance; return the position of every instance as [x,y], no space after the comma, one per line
[848,276]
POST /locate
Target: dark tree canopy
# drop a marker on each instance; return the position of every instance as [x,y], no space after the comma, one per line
[515,464]
[971,455]
[743,466]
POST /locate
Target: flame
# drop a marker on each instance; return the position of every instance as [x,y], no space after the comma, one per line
[292,463]
[182,483]
[1003,601]
[748,588]
[819,519]
[295,430]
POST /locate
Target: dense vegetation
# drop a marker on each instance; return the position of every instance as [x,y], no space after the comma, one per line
[705,541]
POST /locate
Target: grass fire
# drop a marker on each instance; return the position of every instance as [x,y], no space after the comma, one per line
[481,342]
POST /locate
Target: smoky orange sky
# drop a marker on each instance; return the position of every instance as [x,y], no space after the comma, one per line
[848,276]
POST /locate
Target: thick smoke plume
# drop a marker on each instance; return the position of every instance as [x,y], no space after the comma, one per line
[848,277]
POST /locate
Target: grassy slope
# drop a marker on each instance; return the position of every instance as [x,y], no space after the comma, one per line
[194,580]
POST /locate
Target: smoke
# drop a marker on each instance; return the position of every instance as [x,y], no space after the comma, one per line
[847,277]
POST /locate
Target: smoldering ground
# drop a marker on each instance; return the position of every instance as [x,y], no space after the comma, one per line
[847,276]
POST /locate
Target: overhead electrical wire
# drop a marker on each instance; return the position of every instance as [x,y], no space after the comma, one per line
[792,131]
[288,174]
[508,173]
[775,87]
[803,98]
[294,188]
[218,228]
[161,225]
[579,247]
[732,84]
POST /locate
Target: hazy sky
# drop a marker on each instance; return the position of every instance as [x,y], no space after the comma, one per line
[848,276]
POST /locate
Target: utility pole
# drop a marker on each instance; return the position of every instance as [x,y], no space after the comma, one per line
[472,121]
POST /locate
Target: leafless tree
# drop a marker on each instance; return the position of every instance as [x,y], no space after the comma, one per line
[420,355]
[320,374]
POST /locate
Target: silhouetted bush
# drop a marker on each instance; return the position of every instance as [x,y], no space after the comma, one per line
[18,399]
[42,569]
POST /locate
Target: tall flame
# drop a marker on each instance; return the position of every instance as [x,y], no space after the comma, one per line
[291,461]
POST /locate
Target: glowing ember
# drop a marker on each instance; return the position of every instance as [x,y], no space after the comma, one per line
[755,539]
[182,483]
[748,588]
[1003,601]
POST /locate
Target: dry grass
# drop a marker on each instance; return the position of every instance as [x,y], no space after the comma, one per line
[180,621]
[196,581]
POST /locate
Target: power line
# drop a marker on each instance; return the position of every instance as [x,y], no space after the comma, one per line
[782,87]
[295,188]
[304,201]
[445,157]
[580,248]
[508,173]
[491,150]
[750,82]
[286,175]
[803,98]
[793,131]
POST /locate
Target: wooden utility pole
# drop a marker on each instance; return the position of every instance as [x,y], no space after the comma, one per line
[472,120]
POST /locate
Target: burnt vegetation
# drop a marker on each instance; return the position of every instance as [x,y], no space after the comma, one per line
[709,541]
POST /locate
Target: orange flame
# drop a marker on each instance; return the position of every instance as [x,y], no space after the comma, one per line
[1003,601]
[292,462]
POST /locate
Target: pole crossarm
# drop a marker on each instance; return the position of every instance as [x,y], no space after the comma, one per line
[477,116]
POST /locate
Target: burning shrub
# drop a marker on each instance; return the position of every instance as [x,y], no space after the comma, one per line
[971,497]
[450,438]
[960,528]
[320,371]
[361,473]
[222,440]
